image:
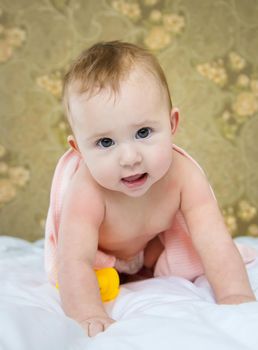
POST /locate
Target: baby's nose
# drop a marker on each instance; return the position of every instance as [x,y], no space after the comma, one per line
[130,156]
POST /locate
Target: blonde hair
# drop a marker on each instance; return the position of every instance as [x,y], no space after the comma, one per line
[106,64]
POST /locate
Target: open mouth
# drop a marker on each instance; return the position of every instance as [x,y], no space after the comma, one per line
[135,180]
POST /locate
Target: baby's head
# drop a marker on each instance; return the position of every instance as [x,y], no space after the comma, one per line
[106,65]
[118,104]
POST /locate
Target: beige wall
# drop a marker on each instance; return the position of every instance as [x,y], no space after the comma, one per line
[209,52]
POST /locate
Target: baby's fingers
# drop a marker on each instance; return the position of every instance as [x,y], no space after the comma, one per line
[94,328]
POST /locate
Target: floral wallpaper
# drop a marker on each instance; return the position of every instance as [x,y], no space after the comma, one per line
[208,50]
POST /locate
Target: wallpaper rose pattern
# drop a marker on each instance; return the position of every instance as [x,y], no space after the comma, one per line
[208,50]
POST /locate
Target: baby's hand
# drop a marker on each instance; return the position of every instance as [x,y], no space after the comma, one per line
[95,325]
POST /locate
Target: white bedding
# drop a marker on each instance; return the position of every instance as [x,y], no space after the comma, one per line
[161,313]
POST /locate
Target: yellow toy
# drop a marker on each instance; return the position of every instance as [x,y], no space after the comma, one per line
[108,280]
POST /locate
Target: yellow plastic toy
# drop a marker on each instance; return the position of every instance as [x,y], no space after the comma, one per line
[108,280]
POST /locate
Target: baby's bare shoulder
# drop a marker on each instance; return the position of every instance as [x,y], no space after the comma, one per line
[187,169]
[84,180]
[84,194]
[194,184]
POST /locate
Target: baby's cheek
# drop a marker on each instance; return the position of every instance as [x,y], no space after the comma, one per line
[163,156]
[161,162]
[103,172]
[94,166]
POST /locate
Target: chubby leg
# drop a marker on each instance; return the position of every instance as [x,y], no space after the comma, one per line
[152,251]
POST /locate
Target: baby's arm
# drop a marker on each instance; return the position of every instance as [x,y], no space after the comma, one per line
[222,262]
[82,214]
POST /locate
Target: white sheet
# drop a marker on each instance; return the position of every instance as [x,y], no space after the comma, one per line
[164,313]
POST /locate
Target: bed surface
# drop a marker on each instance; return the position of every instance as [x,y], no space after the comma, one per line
[160,313]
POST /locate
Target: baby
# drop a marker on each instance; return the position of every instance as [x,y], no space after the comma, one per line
[124,195]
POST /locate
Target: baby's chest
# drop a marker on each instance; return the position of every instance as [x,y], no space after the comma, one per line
[135,226]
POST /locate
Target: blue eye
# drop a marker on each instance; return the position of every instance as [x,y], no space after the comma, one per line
[143,133]
[105,142]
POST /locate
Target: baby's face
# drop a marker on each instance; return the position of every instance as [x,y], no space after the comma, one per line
[125,140]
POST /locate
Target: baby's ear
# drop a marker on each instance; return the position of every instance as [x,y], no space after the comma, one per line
[174,119]
[72,142]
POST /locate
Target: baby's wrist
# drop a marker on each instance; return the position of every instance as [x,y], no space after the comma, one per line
[89,313]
